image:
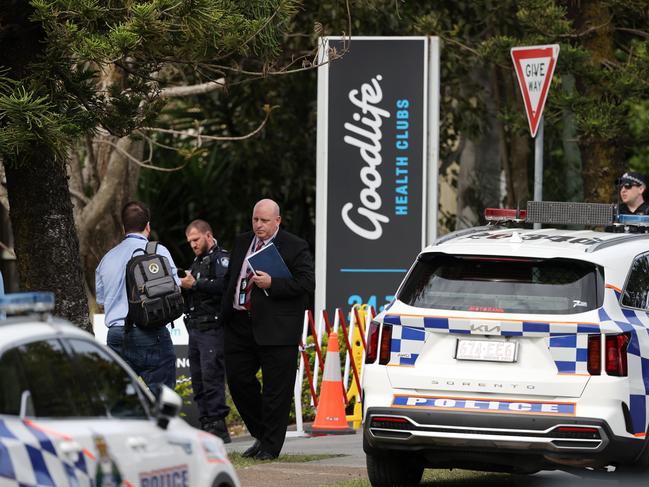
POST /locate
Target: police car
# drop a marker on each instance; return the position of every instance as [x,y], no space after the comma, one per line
[72,413]
[515,349]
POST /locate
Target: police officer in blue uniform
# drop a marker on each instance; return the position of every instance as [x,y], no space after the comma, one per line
[203,287]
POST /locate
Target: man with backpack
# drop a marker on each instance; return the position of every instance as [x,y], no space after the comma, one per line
[136,282]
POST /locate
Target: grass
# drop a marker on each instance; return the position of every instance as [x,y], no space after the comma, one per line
[238,461]
[447,478]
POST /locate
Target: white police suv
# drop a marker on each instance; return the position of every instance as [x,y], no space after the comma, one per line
[72,414]
[514,349]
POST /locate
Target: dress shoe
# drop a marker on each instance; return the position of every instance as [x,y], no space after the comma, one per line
[253,450]
[264,455]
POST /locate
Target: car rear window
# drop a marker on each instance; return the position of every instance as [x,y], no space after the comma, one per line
[503,284]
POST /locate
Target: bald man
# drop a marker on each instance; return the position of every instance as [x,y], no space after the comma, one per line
[263,318]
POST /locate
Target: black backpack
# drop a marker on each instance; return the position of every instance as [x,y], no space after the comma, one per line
[154,298]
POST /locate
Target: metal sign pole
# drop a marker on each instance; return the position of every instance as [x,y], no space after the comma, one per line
[538,166]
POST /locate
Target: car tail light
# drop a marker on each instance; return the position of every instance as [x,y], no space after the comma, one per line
[615,358]
[386,344]
[372,342]
[594,354]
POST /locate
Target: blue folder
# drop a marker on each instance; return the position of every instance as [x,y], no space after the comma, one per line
[268,260]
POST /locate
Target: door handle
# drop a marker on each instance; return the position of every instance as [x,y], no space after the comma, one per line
[137,442]
[70,448]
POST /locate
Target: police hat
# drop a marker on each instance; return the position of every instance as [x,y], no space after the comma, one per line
[632,177]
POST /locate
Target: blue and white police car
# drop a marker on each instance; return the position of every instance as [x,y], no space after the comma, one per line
[72,413]
[515,349]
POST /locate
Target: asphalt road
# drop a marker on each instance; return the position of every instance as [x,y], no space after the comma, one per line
[351,465]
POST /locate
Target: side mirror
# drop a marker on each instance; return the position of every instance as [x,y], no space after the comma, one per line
[168,406]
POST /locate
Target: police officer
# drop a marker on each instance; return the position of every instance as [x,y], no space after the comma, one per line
[202,289]
[632,194]
[632,188]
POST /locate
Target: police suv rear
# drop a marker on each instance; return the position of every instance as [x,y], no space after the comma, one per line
[72,413]
[514,349]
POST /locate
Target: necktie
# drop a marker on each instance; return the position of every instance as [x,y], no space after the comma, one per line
[260,244]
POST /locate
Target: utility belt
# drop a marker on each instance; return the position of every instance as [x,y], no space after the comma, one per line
[201,323]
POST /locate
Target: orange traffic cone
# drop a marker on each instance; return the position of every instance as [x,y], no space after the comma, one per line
[330,416]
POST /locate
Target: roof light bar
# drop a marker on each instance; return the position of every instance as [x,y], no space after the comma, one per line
[20,303]
[637,220]
[566,213]
[504,215]
[570,213]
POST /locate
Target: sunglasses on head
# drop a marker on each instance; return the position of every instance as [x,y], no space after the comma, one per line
[628,185]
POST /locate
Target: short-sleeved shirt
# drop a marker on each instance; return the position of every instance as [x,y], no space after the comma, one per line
[110,277]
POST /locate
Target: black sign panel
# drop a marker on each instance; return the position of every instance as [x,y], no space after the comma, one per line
[375,167]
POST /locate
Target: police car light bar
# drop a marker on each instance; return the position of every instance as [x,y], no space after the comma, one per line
[504,215]
[635,220]
[20,303]
[570,213]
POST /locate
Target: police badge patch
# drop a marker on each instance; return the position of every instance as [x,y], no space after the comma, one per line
[224,261]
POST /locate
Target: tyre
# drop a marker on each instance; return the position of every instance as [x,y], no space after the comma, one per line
[393,470]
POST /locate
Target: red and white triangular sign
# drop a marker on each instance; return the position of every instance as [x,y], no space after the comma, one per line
[534,67]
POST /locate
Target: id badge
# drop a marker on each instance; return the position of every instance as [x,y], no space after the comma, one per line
[242,291]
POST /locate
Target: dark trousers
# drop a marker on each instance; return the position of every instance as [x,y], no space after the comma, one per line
[207,367]
[150,353]
[265,409]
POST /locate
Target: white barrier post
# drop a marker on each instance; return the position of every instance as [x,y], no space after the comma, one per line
[350,334]
[336,321]
[316,364]
[299,379]
[368,319]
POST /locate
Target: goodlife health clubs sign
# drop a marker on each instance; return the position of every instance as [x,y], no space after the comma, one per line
[371,174]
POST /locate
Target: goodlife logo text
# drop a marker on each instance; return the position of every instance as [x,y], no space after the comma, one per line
[367,138]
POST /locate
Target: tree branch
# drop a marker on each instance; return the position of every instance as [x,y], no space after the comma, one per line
[200,89]
[80,196]
[135,160]
[267,108]
[584,32]
[96,208]
[637,32]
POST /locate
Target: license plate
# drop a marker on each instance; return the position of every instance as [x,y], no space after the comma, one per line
[486,350]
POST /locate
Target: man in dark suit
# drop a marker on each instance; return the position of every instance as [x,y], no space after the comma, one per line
[263,318]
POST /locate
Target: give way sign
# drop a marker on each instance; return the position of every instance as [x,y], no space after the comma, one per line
[534,67]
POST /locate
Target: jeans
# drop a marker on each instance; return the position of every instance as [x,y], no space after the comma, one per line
[150,354]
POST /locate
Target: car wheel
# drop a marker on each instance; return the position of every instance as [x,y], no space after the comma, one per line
[393,470]
[223,480]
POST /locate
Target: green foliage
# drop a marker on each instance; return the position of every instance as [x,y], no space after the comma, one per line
[184,390]
[638,123]
[102,63]
[28,120]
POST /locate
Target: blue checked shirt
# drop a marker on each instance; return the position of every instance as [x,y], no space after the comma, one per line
[110,277]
